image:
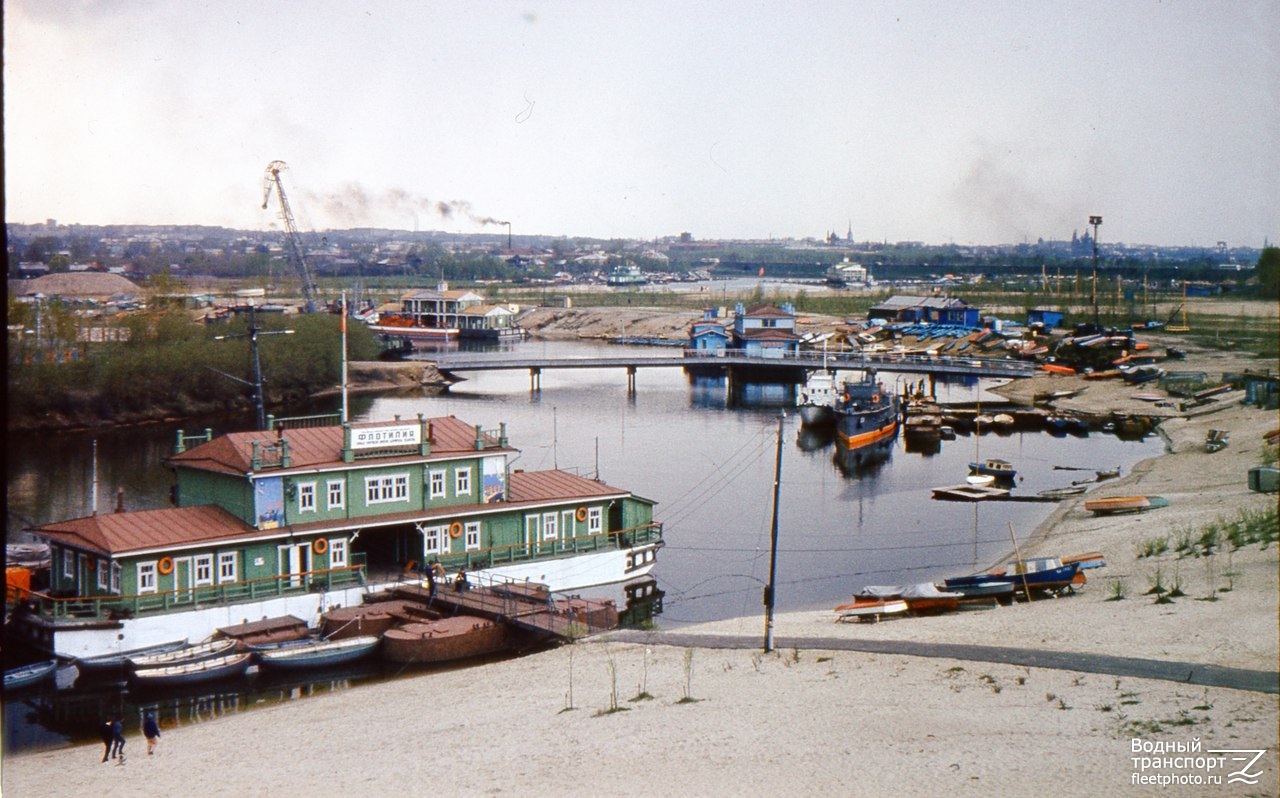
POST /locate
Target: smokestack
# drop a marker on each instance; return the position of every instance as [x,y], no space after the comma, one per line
[119,500]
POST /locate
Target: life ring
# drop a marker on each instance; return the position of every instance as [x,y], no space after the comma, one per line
[165,566]
[875,398]
[581,515]
[455,529]
[319,545]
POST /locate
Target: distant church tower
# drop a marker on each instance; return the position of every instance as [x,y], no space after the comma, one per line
[848,236]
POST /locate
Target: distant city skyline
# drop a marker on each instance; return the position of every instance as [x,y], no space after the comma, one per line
[968,123]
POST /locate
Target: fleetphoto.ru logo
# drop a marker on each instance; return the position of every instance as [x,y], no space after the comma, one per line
[1166,763]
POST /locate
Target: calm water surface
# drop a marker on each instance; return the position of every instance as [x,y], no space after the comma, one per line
[703,451]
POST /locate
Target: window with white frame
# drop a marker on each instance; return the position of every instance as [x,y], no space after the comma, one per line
[204,569]
[68,564]
[390,488]
[462,482]
[594,520]
[436,481]
[435,540]
[337,490]
[115,577]
[226,566]
[306,497]
[472,532]
[549,526]
[103,575]
[337,552]
[147,577]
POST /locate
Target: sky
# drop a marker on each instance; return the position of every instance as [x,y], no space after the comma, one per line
[967,122]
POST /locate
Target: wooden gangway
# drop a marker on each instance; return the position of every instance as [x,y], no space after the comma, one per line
[527,606]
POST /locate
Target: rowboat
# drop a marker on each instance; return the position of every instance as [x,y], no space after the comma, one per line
[1124,504]
[112,665]
[1087,559]
[444,640]
[1036,573]
[869,609]
[967,493]
[992,589]
[1062,493]
[27,675]
[303,654]
[208,670]
[922,599]
[182,656]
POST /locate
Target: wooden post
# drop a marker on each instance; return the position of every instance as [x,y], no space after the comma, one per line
[1018,561]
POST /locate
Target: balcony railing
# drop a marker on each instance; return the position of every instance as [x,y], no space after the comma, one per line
[88,608]
[560,547]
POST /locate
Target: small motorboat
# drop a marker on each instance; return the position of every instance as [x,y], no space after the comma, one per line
[28,675]
[988,589]
[869,610]
[316,653]
[208,670]
[980,479]
[994,466]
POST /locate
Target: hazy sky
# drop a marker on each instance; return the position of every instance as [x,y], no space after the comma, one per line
[973,122]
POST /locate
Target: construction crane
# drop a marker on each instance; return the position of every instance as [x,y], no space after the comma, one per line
[293,244]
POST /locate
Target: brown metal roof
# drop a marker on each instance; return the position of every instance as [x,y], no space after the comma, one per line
[541,486]
[317,447]
[122,533]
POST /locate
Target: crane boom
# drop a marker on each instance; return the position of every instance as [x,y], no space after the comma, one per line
[293,244]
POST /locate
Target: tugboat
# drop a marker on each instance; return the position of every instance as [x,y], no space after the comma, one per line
[816,400]
[866,412]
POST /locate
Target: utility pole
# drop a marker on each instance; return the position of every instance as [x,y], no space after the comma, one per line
[252,334]
[773,544]
[1095,221]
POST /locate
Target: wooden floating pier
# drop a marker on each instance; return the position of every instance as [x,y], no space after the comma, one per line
[530,607]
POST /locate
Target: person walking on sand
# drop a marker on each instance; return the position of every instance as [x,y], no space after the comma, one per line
[151,730]
[117,738]
[108,737]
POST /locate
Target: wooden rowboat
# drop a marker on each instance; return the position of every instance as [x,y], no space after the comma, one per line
[869,609]
[303,654]
[182,656]
[1124,504]
[27,675]
[107,666]
[208,670]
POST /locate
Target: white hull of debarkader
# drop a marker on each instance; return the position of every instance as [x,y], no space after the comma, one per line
[575,572]
[563,574]
[193,625]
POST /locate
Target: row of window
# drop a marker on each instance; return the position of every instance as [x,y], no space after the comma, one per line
[382,489]
[202,567]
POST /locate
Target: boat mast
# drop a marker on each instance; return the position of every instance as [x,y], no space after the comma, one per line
[773,543]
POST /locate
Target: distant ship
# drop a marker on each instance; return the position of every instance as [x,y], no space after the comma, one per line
[628,274]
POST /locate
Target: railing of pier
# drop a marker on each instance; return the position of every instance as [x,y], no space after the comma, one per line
[115,607]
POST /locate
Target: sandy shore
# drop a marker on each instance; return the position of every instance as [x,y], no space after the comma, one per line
[607,718]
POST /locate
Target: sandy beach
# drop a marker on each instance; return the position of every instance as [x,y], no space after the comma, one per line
[604,718]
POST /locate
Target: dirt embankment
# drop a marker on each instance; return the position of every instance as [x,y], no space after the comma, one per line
[573,323]
[371,376]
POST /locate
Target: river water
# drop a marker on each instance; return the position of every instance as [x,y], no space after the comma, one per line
[703,450]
